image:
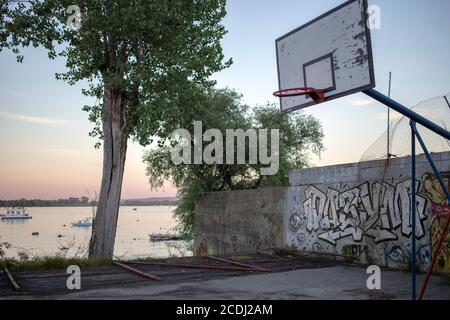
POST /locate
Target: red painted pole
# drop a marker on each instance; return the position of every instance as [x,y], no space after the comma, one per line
[435,255]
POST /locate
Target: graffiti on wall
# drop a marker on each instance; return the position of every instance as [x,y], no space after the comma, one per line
[375,212]
[440,210]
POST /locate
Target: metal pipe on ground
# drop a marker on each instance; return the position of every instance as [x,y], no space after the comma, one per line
[308,253]
[136,271]
[261,269]
[11,279]
[193,266]
[272,255]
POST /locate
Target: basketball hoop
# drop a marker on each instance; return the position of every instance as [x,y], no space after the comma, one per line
[316,94]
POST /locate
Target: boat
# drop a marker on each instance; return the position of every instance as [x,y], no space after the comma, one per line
[83,223]
[16,214]
[157,237]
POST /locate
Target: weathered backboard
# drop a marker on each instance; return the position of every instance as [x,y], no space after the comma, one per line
[332,53]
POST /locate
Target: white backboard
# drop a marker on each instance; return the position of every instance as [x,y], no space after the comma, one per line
[333,53]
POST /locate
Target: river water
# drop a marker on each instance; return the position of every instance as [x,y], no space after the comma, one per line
[57,236]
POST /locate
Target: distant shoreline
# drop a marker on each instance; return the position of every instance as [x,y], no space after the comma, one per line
[136,206]
[84,202]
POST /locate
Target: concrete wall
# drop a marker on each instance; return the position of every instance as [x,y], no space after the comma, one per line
[365,208]
[362,208]
[240,221]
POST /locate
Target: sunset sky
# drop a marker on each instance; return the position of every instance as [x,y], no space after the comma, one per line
[46,151]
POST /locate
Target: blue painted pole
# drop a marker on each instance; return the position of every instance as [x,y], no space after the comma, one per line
[413,209]
[407,112]
[431,161]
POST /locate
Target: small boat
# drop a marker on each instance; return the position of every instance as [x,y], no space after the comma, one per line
[157,237]
[83,223]
[16,214]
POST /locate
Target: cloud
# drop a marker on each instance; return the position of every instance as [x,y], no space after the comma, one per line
[362,102]
[394,116]
[33,119]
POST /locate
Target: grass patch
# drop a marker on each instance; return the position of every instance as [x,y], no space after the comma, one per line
[51,263]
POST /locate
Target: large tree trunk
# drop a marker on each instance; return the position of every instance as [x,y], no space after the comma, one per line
[114,153]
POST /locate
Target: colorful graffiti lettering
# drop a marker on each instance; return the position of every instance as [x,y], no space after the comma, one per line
[440,211]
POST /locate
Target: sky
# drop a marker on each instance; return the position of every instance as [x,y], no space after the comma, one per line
[46,151]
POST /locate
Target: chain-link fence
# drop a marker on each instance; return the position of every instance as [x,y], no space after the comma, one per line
[396,142]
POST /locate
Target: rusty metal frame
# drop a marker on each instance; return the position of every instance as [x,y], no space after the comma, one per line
[239,264]
[273,255]
[236,266]
[194,266]
[305,253]
[136,271]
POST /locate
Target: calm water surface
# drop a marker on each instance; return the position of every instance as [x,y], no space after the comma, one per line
[56,232]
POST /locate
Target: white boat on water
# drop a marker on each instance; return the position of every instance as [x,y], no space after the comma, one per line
[16,214]
[83,223]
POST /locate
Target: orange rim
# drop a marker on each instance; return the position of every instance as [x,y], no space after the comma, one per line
[316,94]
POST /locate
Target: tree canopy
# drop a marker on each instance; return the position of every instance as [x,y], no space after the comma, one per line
[147,63]
[223,109]
[158,53]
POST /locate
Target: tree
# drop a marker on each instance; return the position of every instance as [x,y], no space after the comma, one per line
[145,61]
[223,109]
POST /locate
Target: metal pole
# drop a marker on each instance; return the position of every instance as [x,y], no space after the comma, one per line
[446,100]
[417,118]
[413,209]
[388,154]
[432,164]
[407,112]
[447,223]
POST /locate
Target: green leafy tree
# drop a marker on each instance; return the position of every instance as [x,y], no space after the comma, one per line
[145,61]
[223,109]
